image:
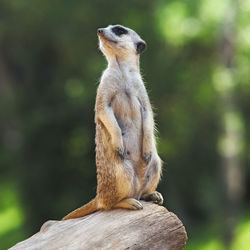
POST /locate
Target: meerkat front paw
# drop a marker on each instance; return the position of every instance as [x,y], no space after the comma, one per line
[147,157]
[117,143]
[155,196]
[147,150]
[147,153]
[120,153]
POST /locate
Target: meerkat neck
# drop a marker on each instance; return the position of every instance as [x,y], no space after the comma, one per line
[127,64]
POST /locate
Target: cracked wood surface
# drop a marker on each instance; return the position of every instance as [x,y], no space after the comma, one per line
[154,227]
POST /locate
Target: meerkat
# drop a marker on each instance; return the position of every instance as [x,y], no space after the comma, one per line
[128,165]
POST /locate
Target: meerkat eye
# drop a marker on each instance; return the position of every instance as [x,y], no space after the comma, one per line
[119,30]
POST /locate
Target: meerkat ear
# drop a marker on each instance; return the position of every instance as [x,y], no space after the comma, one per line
[140,47]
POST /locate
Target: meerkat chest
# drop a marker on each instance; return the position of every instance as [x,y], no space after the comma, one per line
[126,102]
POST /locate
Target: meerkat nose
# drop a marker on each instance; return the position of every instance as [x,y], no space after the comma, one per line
[100,31]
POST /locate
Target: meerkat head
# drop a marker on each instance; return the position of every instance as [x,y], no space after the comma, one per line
[117,40]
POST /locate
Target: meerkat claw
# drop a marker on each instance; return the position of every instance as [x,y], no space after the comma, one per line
[138,205]
[135,204]
[120,153]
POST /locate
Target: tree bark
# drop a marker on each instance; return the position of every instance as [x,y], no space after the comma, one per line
[154,227]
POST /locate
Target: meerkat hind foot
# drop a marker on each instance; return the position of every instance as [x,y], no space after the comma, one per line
[129,203]
[155,196]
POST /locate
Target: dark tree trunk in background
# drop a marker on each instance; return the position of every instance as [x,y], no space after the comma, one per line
[9,133]
[231,140]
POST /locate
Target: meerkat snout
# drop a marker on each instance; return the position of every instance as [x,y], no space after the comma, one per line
[99,31]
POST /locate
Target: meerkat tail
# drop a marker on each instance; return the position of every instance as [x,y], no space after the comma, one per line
[82,211]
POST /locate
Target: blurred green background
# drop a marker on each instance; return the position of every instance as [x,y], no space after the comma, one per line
[196,70]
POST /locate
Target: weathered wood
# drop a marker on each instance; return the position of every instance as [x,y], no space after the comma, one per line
[154,227]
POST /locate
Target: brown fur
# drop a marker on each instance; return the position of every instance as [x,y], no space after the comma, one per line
[128,166]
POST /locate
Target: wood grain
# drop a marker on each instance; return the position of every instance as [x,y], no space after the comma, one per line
[154,227]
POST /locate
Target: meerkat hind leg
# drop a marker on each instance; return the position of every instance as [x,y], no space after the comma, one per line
[129,203]
[155,196]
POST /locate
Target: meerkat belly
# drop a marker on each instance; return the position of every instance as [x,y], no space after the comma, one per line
[127,110]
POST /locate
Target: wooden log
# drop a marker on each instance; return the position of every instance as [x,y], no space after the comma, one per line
[154,227]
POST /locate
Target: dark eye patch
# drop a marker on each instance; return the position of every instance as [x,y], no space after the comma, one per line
[118,30]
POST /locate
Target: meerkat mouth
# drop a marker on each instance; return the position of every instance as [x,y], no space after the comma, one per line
[101,36]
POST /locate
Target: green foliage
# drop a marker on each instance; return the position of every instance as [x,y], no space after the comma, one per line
[49,71]
[11,216]
[207,238]
[242,232]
